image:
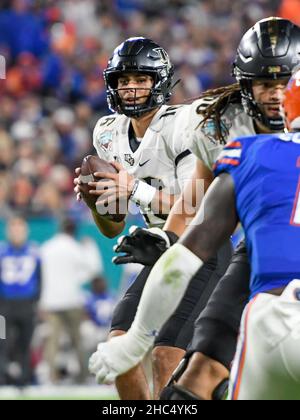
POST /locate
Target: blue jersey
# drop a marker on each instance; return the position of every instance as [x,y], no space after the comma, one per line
[266,174]
[100,308]
[20,272]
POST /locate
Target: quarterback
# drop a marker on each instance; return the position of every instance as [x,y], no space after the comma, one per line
[144,138]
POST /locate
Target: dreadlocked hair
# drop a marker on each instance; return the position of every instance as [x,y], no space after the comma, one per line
[215,106]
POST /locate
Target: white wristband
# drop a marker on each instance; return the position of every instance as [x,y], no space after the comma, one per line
[142,193]
[162,234]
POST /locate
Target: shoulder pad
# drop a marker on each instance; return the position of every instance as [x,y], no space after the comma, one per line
[103,131]
[166,116]
[108,121]
[202,103]
[170,111]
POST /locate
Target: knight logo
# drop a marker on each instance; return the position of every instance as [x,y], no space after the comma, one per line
[163,56]
[105,141]
[129,159]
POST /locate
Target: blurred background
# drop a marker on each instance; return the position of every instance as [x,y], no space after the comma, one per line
[52,96]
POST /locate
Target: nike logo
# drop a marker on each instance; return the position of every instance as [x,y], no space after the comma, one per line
[145,163]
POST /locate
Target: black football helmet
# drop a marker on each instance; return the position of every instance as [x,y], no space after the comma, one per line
[269,50]
[139,55]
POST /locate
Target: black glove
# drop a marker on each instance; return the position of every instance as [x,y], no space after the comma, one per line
[143,246]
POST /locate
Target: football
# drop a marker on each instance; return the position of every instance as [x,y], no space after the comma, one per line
[89,166]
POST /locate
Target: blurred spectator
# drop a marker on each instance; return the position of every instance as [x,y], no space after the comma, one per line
[64,120]
[5,210]
[100,303]
[20,285]
[54,91]
[67,264]
[99,308]
[25,76]
[29,32]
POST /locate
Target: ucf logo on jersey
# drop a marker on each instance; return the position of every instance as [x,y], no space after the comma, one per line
[129,159]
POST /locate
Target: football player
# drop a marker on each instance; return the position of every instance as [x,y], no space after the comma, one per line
[145,143]
[262,78]
[138,137]
[258,184]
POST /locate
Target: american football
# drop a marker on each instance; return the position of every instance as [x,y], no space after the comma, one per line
[89,166]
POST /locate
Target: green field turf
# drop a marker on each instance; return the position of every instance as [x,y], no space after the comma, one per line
[69,393]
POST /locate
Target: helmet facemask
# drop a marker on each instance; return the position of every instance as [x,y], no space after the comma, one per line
[141,56]
[255,109]
[157,96]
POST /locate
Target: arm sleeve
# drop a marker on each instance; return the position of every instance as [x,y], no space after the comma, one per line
[172,273]
[169,278]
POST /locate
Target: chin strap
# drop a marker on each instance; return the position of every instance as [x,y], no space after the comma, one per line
[274,124]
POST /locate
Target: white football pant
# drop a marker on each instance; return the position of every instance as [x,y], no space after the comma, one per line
[267,361]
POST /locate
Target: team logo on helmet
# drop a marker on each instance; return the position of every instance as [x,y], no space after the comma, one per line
[274,69]
[165,59]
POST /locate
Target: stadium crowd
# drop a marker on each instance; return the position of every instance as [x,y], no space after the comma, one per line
[54,91]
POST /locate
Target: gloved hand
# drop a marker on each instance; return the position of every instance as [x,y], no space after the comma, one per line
[143,246]
[118,356]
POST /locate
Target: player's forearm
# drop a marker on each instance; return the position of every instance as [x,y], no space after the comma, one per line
[215,221]
[162,203]
[180,217]
[107,227]
[185,208]
[148,197]
[162,293]
[169,278]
